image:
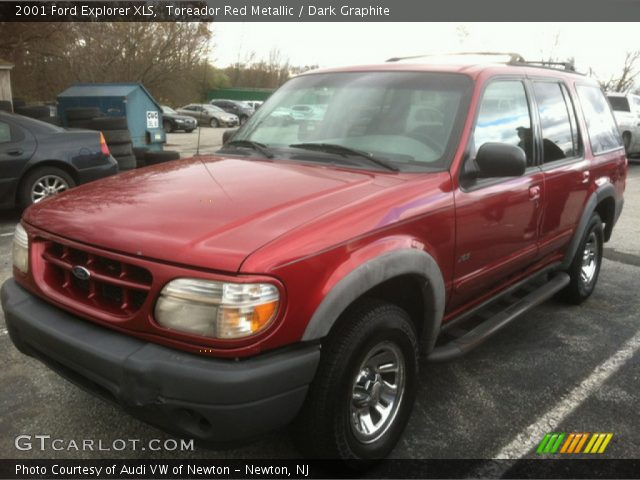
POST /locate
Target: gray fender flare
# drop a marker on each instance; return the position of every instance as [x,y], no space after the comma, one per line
[373,273]
[605,191]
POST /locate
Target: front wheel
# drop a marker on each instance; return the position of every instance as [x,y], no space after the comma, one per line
[168,128]
[214,123]
[585,267]
[365,387]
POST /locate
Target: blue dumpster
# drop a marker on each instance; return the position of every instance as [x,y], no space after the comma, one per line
[129,100]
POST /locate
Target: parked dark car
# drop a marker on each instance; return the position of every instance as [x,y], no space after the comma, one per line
[209,115]
[172,121]
[242,110]
[38,159]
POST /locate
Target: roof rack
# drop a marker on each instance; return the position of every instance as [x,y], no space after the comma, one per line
[514,59]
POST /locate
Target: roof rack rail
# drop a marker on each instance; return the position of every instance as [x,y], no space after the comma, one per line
[514,59]
[569,66]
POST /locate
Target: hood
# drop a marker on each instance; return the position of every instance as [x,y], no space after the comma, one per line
[209,212]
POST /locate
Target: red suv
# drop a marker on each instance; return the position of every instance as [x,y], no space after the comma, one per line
[302,271]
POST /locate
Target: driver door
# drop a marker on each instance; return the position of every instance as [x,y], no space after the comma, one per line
[497,219]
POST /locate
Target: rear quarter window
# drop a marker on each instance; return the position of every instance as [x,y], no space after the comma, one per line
[601,126]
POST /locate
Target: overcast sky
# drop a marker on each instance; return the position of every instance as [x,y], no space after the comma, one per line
[598,45]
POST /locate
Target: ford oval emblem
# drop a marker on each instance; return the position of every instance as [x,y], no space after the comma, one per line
[80,273]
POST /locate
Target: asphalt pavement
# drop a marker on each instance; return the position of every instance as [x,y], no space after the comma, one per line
[558,368]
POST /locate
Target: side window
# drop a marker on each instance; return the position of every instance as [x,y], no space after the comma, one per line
[559,134]
[603,132]
[504,117]
[5,132]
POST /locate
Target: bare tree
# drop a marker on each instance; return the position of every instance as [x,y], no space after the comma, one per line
[627,77]
[168,58]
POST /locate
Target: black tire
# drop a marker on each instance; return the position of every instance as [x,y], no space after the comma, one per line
[6,106]
[32,178]
[167,126]
[324,427]
[153,158]
[126,163]
[84,124]
[110,123]
[213,123]
[243,119]
[189,130]
[82,113]
[115,137]
[52,120]
[139,152]
[121,150]
[582,285]
[626,139]
[34,111]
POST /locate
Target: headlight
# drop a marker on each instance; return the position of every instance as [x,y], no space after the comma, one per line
[21,249]
[217,309]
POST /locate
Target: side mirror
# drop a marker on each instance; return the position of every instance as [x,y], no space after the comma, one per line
[228,135]
[501,160]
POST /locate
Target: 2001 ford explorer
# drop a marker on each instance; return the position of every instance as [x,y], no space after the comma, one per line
[301,271]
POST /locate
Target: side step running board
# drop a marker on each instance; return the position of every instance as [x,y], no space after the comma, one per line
[491,326]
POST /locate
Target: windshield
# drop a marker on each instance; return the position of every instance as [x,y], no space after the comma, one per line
[213,108]
[409,119]
[166,109]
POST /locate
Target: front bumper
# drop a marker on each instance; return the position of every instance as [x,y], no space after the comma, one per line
[208,399]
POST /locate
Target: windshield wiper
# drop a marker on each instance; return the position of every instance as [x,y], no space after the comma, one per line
[257,146]
[345,152]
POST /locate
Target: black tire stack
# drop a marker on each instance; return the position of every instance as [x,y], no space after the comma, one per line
[39,112]
[114,129]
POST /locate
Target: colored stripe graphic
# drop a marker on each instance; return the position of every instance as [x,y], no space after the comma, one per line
[573,443]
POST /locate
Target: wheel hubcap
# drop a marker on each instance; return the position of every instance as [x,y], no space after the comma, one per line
[47,186]
[377,392]
[589,259]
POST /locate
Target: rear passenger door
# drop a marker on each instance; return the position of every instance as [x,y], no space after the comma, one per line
[497,219]
[566,171]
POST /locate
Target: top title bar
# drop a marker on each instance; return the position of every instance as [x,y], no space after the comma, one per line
[322,11]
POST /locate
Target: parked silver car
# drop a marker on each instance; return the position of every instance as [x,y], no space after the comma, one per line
[626,109]
[209,115]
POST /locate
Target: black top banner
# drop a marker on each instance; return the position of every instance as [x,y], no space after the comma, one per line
[323,11]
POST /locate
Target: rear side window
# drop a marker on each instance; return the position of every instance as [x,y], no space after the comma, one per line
[619,104]
[603,132]
[5,132]
[557,119]
[504,117]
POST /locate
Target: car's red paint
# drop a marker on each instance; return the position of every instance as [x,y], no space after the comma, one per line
[307,226]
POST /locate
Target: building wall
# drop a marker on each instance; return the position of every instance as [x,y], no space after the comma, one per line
[5,85]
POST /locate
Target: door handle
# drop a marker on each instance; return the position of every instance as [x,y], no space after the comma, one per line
[585,177]
[534,193]
[15,151]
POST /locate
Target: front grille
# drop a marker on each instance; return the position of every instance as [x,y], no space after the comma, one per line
[114,287]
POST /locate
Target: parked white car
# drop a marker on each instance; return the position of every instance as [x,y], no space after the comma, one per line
[626,109]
